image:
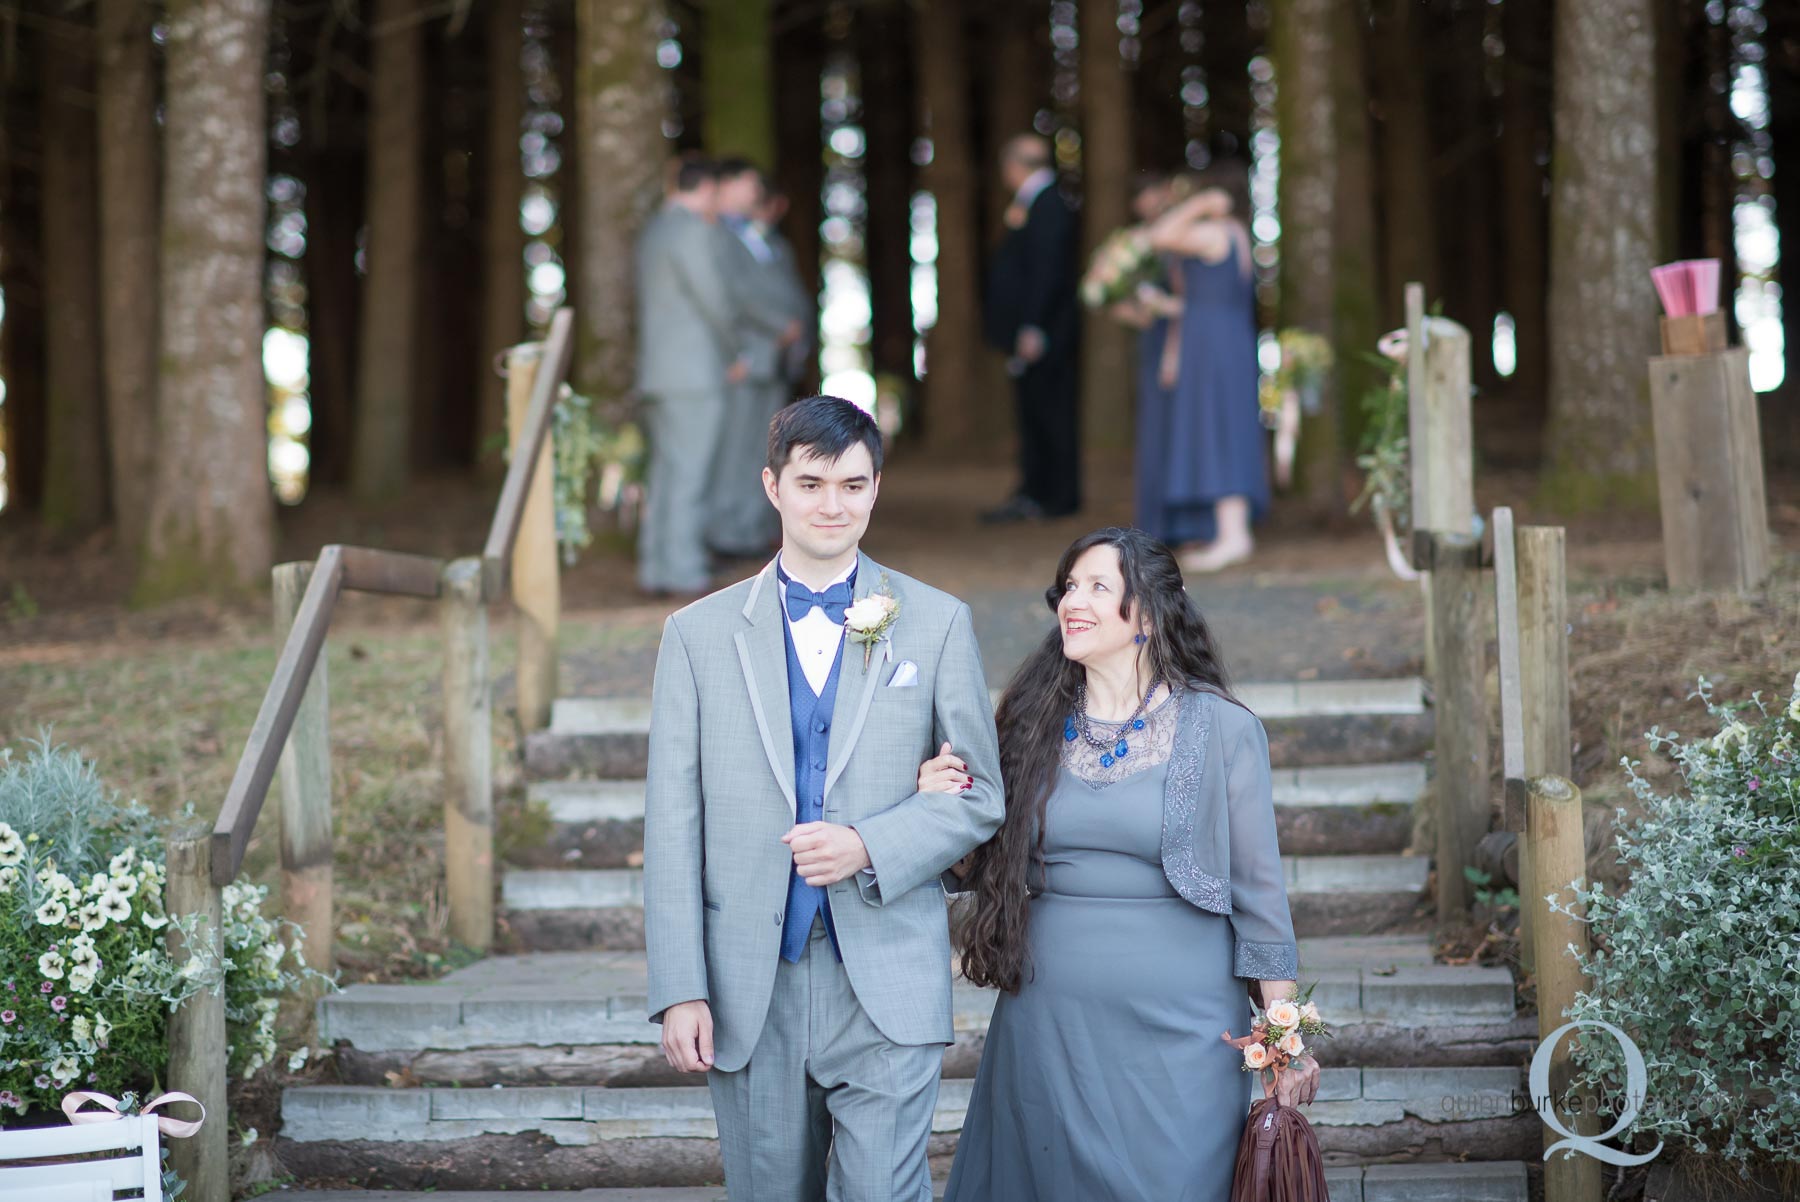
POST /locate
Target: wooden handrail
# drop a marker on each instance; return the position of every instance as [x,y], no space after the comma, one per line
[362,569]
[559,350]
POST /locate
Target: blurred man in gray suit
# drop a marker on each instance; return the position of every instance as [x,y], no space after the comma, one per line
[775,317]
[798,946]
[688,353]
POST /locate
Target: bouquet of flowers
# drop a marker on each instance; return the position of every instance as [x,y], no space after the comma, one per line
[1121,263]
[1279,1035]
[1305,358]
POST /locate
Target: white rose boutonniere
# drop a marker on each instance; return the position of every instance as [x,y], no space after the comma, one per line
[870,618]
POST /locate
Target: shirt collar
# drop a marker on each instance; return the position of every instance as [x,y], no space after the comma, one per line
[783,576]
[1034,185]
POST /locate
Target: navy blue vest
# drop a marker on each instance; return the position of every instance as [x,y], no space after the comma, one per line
[811,719]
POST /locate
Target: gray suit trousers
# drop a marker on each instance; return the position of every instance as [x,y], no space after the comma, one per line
[742,521]
[828,1107]
[685,430]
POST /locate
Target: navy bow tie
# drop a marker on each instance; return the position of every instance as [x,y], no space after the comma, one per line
[834,601]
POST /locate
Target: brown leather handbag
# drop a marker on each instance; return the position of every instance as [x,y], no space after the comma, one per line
[1278,1157]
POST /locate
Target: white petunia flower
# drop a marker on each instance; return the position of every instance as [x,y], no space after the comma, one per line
[114,906]
[96,885]
[124,884]
[123,862]
[52,913]
[92,919]
[64,1069]
[12,848]
[9,878]
[82,1031]
[82,978]
[102,1029]
[297,1061]
[63,887]
[50,966]
[155,922]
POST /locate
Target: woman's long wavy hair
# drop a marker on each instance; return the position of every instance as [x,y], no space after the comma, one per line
[1037,702]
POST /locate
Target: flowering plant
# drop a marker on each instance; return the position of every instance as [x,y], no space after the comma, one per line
[1305,358]
[870,618]
[1695,959]
[1279,1035]
[86,980]
[1120,263]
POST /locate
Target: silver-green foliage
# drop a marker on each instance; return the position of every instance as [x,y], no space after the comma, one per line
[1698,960]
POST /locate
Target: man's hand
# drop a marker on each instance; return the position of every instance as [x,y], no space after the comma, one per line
[687,1037]
[826,853]
[790,335]
[738,372]
[1030,346]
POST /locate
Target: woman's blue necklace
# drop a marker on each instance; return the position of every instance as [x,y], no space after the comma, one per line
[1116,746]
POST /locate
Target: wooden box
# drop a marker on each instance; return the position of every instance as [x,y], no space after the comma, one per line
[1709,470]
[1696,335]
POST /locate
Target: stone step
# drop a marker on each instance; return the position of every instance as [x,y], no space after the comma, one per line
[1318,811]
[1475,1181]
[1308,723]
[558,1138]
[579,1018]
[549,909]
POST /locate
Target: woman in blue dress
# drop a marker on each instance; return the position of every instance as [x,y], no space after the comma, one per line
[1131,901]
[1202,457]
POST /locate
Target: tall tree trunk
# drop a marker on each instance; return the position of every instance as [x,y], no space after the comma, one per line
[22,278]
[952,346]
[1524,196]
[76,475]
[740,95]
[128,220]
[800,137]
[1159,117]
[619,109]
[1408,216]
[1465,163]
[210,527]
[1226,48]
[334,206]
[381,456]
[503,240]
[1781,430]
[1017,86]
[884,44]
[1603,231]
[1108,350]
[1355,297]
[1300,34]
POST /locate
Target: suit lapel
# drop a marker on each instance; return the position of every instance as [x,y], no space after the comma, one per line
[762,651]
[855,681]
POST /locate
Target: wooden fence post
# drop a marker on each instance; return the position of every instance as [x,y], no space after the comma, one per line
[305,779]
[197,1027]
[1544,683]
[1512,713]
[1559,852]
[1460,712]
[1440,441]
[468,758]
[536,574]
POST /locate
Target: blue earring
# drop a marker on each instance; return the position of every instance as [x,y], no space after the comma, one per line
[1140,638]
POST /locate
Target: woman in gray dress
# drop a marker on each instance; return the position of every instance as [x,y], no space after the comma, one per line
[1129,904]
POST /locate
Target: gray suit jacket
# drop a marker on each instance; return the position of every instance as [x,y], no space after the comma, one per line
[721,794]
[687,321]
[765,302]
[1218,839]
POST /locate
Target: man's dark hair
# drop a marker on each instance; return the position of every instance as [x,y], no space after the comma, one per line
[824,427]
[736,165]
[693,171]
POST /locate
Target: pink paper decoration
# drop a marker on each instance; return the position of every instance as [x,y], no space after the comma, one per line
[1689,288]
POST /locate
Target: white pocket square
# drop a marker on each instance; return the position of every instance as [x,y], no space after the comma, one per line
[905,676]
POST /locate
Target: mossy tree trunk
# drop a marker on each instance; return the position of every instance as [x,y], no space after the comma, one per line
[22,417]
[1356,296]
[885,58]
[381,456]
[1781,436]
[1603,242]
[1301,42]
[1524,196]
[735,64]
[75,479]
[210,522]
[1109,349]
[128,220]
[1158,117]
[953,344]
[800,139]
[1227,44]
[1408,214]
[503,240]
[620,102]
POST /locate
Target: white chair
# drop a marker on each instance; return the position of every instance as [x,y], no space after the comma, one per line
[58,1178]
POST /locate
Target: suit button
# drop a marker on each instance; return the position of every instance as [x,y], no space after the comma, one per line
[818,765]
[778,918]
[821,727]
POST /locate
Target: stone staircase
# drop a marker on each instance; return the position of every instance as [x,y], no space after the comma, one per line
[536,1069]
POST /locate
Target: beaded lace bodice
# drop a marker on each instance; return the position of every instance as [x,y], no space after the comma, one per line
[1147,747]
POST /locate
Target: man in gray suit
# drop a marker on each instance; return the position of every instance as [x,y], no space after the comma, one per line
[793,911]
[689,345]
[776,316]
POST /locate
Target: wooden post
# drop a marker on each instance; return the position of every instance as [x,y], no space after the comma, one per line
[1460,717]
[1512,711]
[1439,439]
[1560,854]
[1547,745]
[197,1027]
[304,775]
[536,582]
[468,758]
[1709,471]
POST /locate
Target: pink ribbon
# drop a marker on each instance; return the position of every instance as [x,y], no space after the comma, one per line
[109,1111]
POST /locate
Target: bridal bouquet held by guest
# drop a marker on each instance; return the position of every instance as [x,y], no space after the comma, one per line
[1130,906]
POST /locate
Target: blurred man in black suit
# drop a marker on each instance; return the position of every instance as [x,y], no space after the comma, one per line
[1031,317]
